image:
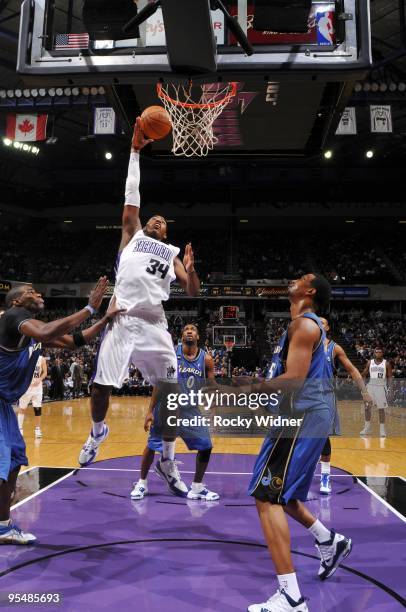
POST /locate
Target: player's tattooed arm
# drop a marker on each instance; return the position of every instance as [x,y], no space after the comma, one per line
[355,374]
[131,222]
[46,332]
[186,273]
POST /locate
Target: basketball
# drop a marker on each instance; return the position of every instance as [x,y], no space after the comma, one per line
[155,122]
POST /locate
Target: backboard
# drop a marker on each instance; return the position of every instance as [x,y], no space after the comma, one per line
[291,91]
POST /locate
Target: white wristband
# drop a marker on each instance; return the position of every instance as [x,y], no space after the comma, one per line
[91,309]
[132,185]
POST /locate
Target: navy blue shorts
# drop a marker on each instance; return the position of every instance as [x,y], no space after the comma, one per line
[12,445]
[288,458]
[195,438]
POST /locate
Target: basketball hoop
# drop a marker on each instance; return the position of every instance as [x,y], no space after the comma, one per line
[229,344]
[193,110]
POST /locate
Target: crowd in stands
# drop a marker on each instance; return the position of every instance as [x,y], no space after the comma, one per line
[49,255]
[351,260]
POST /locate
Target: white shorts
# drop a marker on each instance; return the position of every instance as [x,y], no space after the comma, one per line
[144,342]
[34,395]
[378,394]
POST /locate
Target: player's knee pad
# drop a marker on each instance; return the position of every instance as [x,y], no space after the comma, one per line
[326,448]
[204,455]
[37,411]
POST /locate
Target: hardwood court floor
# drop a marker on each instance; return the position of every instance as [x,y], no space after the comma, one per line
[66,425]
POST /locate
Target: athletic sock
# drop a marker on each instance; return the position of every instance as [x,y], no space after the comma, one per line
[142,482]
[197,487]
[168,450]
[382,428]
[5,523]
[97,428]
[325,467]
[288,582]
[20,418]
[320,532]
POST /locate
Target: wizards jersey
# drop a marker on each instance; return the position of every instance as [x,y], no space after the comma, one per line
[316,384]
[18,354]
[191,372]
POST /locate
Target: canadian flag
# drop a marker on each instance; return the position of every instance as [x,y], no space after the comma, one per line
[26,128]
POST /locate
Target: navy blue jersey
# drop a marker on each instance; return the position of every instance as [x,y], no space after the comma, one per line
[18,355]
[191,372]
[316,383]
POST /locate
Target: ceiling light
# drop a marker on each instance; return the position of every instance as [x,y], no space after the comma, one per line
[75,91]
[369,154]
[51,92]
[42,92]
[18,93]
[7,142]
[328,154]
[34,93]
[108,155]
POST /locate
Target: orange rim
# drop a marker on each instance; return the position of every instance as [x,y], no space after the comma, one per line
[227,97]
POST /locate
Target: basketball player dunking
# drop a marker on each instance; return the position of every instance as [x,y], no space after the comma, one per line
[195,368]
[22,338]
[34,395]
[379,372]
[288,458]
[145,270]
[335,356]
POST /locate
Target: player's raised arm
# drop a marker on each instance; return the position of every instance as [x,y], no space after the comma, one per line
[186,273]
[353,372]
[131,214]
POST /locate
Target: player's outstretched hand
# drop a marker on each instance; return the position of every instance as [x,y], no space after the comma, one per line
[189,258]
[149,421]
[139,140]
[113,310]
[97,294]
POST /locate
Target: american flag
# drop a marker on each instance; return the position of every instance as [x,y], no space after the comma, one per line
[71,41]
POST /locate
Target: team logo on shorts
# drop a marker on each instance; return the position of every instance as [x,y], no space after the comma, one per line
[273,482]
[170,372]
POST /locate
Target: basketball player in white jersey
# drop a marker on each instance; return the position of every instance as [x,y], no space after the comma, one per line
[379,371]
[34,395]
[145,270]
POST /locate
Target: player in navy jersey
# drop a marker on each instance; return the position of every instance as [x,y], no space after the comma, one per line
[287,461]
[22,338]
[195,368]
[336,356]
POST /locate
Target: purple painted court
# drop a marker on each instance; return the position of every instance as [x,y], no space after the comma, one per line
[102,551]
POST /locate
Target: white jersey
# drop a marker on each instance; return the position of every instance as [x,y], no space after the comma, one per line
[37,373]
[144,276]
[377,372]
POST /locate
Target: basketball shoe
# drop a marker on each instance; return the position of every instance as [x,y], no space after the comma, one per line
[91,447]
[332,552]
[280,602]
[367,429]
[168,471]
[202,492]
[325,484]
[11,534]
[139,491]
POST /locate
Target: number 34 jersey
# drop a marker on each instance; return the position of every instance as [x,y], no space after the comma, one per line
[144,275]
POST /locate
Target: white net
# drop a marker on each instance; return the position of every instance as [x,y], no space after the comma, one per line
[193,110]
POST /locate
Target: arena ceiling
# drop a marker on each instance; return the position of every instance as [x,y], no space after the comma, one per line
[75,169]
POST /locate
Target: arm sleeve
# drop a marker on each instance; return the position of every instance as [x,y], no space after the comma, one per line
[132,186]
